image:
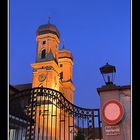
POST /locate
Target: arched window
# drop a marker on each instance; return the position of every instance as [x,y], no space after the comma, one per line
[43,54]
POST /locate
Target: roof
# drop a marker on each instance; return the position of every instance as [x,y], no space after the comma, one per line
[107,68]
[49,57]
[23,86]
[48,28]
[65,54]
[13,88]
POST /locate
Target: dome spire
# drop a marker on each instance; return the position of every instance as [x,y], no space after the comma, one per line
[49,18]
[63,47]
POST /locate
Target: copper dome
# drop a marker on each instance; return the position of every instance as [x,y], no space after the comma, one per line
[65,54]
[48,28]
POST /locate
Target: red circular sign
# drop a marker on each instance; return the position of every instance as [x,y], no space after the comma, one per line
[112,112]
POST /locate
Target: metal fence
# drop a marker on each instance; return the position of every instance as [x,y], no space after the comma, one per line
[50,116]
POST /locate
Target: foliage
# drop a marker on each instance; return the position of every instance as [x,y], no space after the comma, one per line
[79,136]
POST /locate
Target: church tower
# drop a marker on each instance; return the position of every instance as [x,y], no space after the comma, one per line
[46,70]
[65,60]
[52,69]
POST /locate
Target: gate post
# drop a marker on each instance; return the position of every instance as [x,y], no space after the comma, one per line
[115,106]
[115,112]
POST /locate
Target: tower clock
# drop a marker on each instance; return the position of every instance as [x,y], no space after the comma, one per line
[42,77]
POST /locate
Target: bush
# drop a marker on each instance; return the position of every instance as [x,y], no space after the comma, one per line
[79,136]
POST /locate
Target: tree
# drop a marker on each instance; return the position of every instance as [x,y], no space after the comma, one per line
[79,136]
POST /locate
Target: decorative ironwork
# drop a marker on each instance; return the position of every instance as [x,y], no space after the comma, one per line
[52,117]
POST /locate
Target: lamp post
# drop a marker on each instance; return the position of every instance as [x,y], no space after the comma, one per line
[108,73]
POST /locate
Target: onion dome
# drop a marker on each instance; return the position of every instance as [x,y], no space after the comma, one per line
[65,54]
[47,28]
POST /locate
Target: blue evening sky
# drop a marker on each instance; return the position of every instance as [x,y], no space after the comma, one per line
[95,31]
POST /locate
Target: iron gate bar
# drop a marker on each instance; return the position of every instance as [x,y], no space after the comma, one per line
[83,125]
[43,119]
[73,124]
[60,123]
[56,120]
[35,104]
[88,125]
[48,115]
[51,117]
[78,121]
[99,122]
[93,124]
[21,133]
[64,124]
[68,126]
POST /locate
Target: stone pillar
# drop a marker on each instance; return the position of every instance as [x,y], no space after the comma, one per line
[121,94]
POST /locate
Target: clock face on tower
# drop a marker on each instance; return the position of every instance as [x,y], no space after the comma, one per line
[41,77]
[112,112]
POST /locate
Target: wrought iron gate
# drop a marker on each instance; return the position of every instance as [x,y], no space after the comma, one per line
[52,117]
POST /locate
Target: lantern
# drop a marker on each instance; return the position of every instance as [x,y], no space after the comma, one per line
[108,73]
